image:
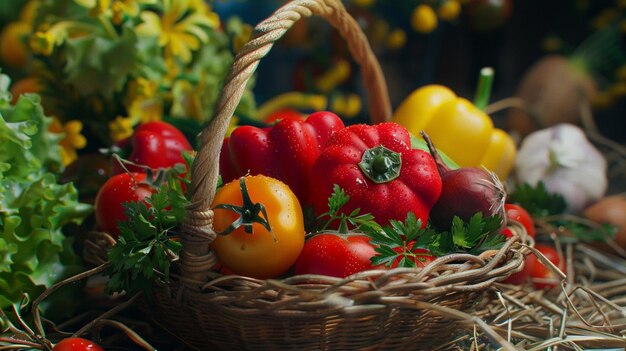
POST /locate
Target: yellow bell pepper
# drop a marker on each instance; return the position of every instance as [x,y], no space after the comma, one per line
[458,128]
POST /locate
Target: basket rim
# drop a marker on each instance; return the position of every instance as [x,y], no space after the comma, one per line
[452,273]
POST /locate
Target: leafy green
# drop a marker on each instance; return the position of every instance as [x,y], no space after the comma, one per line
[478,234]
[336,201]
[549,210]
[34,207]
[145,243]
[537,200]
[400,241]
[98,64]
[588,233]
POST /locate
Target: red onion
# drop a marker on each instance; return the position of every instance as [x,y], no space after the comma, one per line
[466,191]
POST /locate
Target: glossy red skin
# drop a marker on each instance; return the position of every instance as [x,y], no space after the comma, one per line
[335,255]
[285,151]
[416,189]
[538,270]
[120,188]
[519,214]
[76,344]
[155,144]
[533,268]
[463,194]
[522,276]
[283,113]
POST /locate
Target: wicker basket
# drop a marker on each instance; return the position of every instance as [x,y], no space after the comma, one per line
[382,309]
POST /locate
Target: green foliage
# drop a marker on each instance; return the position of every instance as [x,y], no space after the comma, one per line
[145,243]
[344,221]
[400,240]
[537,200]
[408,237]
[34,207]
[100,62]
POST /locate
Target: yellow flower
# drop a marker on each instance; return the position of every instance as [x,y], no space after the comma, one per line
[99,7]
[186,100]
[180,29]
[145,110]
[72,141]
[42,43]
[141,88]
[45,39]
[116,9]
[120,128]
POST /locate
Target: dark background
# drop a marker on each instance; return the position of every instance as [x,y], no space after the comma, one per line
[452,55]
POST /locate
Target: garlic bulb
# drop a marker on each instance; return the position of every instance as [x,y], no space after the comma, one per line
[566,162]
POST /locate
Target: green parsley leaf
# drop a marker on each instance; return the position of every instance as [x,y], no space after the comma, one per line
[145,243]
[400,242]
[537,200]
[407,242]
[344,222]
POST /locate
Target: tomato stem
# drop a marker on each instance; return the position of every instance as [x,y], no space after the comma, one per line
[483,90]
[249,213]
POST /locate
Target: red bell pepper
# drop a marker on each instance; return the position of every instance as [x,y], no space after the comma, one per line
[156,145]
[285,151]
[376,166]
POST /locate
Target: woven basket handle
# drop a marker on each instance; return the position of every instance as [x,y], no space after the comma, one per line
[196,259]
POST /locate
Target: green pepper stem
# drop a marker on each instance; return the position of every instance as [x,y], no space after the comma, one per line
[380,164]
[483,89]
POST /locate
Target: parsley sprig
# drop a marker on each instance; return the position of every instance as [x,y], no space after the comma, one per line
[145,243]
[344,221]
[548,211]
[537,200]
[401,241]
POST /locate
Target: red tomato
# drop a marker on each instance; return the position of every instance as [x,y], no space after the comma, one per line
[519,214]
[541,276]
[155,144]
[336,255]
[76,344]
[121,188]
[283,113]
[521,277]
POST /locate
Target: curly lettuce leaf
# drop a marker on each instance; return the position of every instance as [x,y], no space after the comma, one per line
[34,207]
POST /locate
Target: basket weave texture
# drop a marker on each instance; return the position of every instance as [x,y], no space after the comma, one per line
[381,309]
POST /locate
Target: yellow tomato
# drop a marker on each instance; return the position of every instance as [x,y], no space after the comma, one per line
[260,254]
[414,112]
[424,19]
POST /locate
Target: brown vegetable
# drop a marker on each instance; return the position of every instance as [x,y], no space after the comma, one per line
[610,210]
[551,90]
